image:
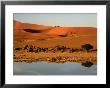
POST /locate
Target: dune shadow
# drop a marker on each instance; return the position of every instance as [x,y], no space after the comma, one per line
[42,39]
[33,31]
[62,35]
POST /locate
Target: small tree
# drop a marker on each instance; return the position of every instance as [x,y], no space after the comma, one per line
[87,47]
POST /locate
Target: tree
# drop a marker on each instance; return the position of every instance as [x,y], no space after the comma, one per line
[87,47]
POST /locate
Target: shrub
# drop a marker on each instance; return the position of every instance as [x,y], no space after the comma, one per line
[31,50]
[54,59]
[18,48]
[72,50]
[25,47]
[87,47]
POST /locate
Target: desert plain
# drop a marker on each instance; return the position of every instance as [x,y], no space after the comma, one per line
[34,42]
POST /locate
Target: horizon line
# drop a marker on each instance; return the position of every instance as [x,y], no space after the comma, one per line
[53,25]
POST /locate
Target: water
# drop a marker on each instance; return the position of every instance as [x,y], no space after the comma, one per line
[45,68]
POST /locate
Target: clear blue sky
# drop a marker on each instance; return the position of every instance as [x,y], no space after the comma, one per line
[61,19]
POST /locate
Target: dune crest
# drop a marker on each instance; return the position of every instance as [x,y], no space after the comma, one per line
[35,30]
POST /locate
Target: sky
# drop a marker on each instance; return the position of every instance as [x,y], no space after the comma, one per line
[59,19]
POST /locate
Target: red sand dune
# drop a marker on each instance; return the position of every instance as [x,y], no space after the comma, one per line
[19,25]
[27,30]
[73,31]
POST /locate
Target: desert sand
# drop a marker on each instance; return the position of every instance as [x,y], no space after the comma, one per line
[43,36]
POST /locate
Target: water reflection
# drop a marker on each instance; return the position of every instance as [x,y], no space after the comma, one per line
[45,68]
[87,64]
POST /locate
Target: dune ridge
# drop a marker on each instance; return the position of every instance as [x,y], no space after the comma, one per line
[35,30]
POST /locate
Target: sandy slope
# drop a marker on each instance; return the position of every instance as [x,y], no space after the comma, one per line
[49,31]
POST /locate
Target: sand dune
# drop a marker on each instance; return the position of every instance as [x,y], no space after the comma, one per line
[73,31]
[20,25]
[68,36]
[47,37]
[26,30]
